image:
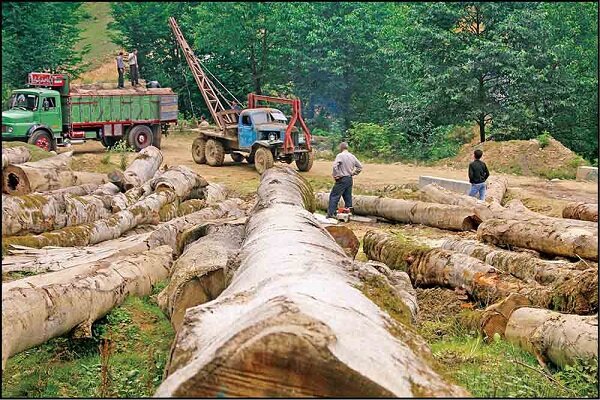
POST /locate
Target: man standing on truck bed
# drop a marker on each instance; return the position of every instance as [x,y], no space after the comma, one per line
[133,68]
[345,166]
[120,70]
[478,174]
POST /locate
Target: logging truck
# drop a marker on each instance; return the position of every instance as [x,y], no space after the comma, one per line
[49,114]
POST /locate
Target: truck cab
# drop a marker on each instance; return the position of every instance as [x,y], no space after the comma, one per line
[35,115]
[264,126]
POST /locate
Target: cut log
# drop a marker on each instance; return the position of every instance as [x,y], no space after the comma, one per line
[560,338]
[522,265]
[80,190]
[292,322]
[141,169]
[178,209]
[346,238]
[30,260]
[411,212]
[484,283]
[583,211]
[562,240]
[15,155]
[496,188]
[145,211]
[202,272]
[38,308]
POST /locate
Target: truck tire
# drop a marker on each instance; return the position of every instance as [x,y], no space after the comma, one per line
[263,160]
[305,161]
[140,137]
[110,141]
[156,136]
[215,153]
[199,150]
[237,157]
[42,139]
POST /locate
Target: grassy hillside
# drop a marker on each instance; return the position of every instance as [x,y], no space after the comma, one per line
[95,34]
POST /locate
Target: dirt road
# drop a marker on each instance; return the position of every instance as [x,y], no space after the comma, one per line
[242,176]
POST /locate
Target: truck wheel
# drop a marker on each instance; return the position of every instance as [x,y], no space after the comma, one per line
[237,157]
[263,160]
[139,137]
[215,153]
[199,150]
[43,140]
[305,161]
[156,137]
[109,141]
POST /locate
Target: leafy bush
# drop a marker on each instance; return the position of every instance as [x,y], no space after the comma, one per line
[544,139]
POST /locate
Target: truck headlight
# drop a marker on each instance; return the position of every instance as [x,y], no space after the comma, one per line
[272,137]
[10,129]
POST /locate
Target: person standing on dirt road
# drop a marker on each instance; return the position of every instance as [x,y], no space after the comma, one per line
[133,68]
[345,166]
[478,174]
[120,70]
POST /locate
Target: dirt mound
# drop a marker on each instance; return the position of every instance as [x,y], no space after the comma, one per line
[521,157]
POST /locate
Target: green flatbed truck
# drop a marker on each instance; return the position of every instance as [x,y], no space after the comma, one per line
[50,114]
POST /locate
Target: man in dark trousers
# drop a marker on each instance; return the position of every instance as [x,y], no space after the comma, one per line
[345,166]
[478,174]
[120,69]
[134,68]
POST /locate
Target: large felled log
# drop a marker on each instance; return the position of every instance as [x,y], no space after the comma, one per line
[140,170]
[202,271]
[496,188]
[292,322]
[15,155]
[181,181]
[562,240]
[560,338]
[484,283]
[583,211]
[411,212]
[170,233]
[523,265]
[38,308]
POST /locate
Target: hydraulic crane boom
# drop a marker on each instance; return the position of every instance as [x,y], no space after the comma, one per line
[221,115]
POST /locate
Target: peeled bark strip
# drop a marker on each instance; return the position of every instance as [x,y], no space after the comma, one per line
[521,265]
[411,212]
[141,169]
[291,323]
[145,211]
[39,308]
[15,155]
[26,259]
[583,211]
[439,267]
[496,188]
[560,338]
[202,272]
[565,240]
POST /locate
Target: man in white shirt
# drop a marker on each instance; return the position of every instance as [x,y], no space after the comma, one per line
[133,68]
[345,166]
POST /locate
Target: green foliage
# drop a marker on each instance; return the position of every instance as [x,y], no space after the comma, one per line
[544,139]
[582,378]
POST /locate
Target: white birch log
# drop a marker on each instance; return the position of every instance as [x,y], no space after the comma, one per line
[15,155]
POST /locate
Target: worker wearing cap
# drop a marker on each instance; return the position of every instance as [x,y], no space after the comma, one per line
[345,166]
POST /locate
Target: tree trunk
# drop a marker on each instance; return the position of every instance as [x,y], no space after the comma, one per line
[411,212]
[292,322]
[15,155]
[486,284]
[181,181]
[496,188]
[30,260]
[179,209]
[39,308]
[560,338]
[557,240]
[143,168]
[202,272]
[583,211]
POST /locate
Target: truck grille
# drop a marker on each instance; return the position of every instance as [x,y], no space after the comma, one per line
[4,128]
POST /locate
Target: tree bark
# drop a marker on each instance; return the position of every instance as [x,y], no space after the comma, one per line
[411,212]
[583,211]
[560,338]
[553,239]
[38,308]
[496,188]
[180,183]
[15,155]
[202,272]
[179,209]
[292,322]
[484,283]
[143,168]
